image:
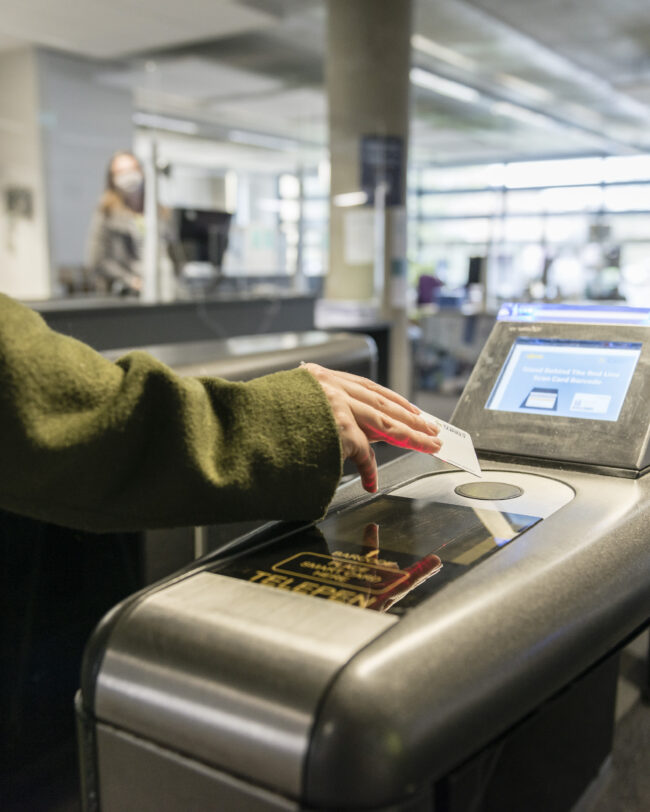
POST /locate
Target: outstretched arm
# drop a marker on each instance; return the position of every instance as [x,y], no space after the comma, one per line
[91,444]
[131,445]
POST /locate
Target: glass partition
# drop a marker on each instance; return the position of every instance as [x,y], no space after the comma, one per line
[544,229]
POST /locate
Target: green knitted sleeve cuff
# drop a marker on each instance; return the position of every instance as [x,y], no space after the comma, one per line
[290,444]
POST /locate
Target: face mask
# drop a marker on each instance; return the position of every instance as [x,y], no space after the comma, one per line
[129,183]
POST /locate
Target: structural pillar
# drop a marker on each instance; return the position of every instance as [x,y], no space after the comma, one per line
[368,61]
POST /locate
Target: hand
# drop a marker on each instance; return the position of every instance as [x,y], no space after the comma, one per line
[366,412]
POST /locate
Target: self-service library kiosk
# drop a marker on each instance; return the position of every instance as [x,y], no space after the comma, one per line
[448,643]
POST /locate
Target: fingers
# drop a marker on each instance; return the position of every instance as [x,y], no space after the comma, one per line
[366,412]
[364,458]
[369,387]
[362,386]
[371,539]
[383,400]
[396,413]
[380,426]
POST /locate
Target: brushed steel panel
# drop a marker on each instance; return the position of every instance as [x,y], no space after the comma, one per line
[230,672]
[246,357]
[137,776]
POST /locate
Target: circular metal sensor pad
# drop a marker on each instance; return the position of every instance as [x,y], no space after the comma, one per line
[489,490]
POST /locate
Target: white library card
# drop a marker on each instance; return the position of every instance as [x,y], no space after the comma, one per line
[457,446]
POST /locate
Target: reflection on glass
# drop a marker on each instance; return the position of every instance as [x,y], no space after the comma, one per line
[626,198]
[466,177]
[386,555]
[554,173]
[626,168]
[580,198]
[567,229]
[524,228]
[456,204]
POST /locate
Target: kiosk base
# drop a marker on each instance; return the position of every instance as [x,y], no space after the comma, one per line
[547,762]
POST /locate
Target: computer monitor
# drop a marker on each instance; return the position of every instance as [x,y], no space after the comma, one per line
[203,234]
[476,271]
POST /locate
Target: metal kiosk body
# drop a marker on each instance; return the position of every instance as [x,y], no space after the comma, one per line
[446,644]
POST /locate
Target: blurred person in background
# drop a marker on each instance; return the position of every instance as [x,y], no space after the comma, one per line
[117,231]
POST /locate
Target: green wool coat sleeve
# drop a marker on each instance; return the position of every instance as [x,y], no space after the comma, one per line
[129,445]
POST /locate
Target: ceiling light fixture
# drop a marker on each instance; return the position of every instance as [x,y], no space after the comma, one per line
[262,140]
[156,122]
[269,204]
[350,199]
[444,87]
[524,115]
[585,115]
[532,91]
[427,46]
[324,172]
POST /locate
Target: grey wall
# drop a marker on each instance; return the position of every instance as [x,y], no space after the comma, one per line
[82,123]
[24,270]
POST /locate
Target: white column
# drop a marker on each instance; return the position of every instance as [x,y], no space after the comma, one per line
[368,61]
[24,263]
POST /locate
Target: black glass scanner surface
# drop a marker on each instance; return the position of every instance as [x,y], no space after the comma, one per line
[387,555]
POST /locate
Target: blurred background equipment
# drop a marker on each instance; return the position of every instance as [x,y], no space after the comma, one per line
[203,239]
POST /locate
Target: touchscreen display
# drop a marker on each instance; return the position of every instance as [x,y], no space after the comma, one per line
[586,379]
[386,555]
